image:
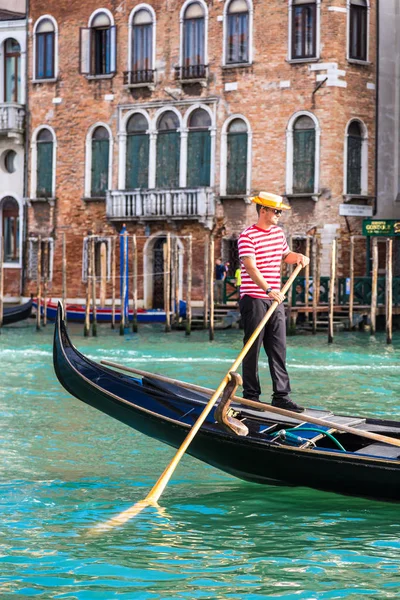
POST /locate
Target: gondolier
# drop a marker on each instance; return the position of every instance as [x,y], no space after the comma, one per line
[262,247]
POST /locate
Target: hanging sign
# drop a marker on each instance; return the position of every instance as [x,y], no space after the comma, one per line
[355,210]
[383,227]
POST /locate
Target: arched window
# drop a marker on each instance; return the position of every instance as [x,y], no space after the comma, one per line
[142,47]
[168,151]
[98,51]
[304,29]
[137,153]
[237,32]
[45,50]
[303,155]
[358,38]
[199,149]
[236,181]
[44,172]
[356,160]
[100,162]
[193,54]
[12,70]
[10,229]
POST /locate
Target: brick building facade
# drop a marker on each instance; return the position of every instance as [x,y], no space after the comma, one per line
[166,116]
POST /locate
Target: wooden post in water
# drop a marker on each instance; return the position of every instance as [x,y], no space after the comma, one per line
[94,309]
[134,283]
[113,260]
[314,250]
[290,322]
[86,328]
[122,323]
[374,287]
[351,294]
[189,288]
[332,292]
[103,273]
[211,274]
[64,276]
[307,273]
[389,289]
[206,280]
[45,274]
[1,280]
[176,279]
[167,284]
[39,282]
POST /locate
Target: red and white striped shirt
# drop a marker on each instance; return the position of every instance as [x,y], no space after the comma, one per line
[268,248]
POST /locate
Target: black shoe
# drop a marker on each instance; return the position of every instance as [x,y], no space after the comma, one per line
[288,405]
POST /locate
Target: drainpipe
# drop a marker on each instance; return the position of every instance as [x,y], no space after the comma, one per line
[377,61]
[27,137]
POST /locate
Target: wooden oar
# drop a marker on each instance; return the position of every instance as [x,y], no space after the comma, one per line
[155,493]
[261,406]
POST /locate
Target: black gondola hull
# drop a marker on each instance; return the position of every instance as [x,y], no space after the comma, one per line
[248,458]
[13,314]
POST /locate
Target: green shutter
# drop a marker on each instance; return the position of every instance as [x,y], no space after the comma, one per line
[354,165]
[137,161]
[303,161]
[167,163]
[100,156]
[236,163]
[199,159]
[44,170]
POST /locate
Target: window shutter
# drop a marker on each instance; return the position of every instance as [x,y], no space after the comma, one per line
[44,170]
[100,160]
[237,163]
[167,167]
[354,165]
[137,161]
[199,159]
[113,49]
[84,54]
[303,161]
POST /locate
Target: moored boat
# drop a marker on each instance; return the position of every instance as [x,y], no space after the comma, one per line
[20,312]
[276,450]
[76,313]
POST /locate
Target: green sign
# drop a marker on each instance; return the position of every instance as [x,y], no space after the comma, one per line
[384,227]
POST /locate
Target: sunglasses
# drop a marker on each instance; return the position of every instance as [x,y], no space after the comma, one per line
[276,211]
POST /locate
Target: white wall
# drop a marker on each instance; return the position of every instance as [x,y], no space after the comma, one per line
[14,5]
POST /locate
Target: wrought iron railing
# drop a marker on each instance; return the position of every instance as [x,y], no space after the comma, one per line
[158,204]
[139,76]
[191,72]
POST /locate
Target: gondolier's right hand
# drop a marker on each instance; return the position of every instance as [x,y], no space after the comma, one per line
[275,295]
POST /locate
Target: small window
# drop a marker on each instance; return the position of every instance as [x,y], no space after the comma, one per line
[142,48]
[100,162]
[237,143]
[45,46]
[304,29]
[199,149]
[98,47]
[237,39]
[12,71]
[168,151]
[137,152]
[303,155]
[358,30]
[44,180]
[9,161]
[10,228]
[354,158]
[193,42]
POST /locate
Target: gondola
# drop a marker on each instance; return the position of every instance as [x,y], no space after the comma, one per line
[13,314]
[276,450]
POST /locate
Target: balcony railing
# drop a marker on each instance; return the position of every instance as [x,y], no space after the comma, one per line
[191,72]
[12,118]
[138,77]
[186,203]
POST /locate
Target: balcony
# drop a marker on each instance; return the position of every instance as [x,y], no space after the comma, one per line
[153,205]
[12,119]
[191,74]
[140,78]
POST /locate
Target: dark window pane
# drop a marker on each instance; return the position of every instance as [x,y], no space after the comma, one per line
[199,119]
[358,32]
[199,159]
[44,166]
[44,135]
[101,57]
[10,217]
[354,157]
[236,163]
[45,55]
[100,133]
[303,160]
[304,31]
[168,121]
[136,123]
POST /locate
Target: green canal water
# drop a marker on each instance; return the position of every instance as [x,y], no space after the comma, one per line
[67,467]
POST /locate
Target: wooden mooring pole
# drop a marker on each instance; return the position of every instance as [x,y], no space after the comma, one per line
[103,273]
[39,283]
[45,276]
[94,309]
[167,284]
[189,288]
[1,280]
[332,292]
[206,281]
[64,275]
[176,279]
[134,283]
[122,323]
[351,291]
[374,286]
[211,284]
[86,328]
[315,277]
[307,274]
[113,271]
[389,289]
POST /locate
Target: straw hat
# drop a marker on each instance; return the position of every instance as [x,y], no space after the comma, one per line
[270,200]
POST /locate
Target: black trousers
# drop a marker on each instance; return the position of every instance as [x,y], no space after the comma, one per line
[273,338]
